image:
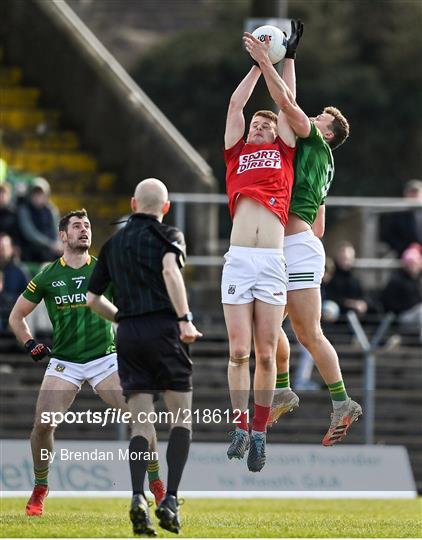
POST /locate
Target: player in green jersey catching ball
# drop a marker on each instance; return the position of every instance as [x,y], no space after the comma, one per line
[303,251]
[83,345]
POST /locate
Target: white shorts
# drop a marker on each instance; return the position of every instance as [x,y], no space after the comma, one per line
[305,259]
[254,273]
[93,372]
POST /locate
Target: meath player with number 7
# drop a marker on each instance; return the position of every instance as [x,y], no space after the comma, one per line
[83,346]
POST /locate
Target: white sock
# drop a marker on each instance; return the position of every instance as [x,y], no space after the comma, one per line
[281,390]
[338,404]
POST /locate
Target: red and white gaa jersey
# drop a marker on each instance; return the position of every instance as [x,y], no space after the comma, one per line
[263,172]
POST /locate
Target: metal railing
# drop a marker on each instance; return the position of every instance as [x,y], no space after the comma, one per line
[369,349]
[370,207]
[362,263]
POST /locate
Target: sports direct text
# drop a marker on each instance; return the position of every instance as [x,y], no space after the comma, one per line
[262,158]
[117,416]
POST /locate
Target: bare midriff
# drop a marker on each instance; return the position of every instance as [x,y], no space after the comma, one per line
[255,226]
[296,225]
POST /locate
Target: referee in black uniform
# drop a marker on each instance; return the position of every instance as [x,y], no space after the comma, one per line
[143,262]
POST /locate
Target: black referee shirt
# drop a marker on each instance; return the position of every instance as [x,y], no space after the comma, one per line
[132,261]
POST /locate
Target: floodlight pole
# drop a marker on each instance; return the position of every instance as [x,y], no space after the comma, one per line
[273,12]
[282,8]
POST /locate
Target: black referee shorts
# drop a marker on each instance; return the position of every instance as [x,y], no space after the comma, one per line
[151,356]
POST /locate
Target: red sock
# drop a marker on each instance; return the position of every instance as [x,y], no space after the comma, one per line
[240,419]
[260,417]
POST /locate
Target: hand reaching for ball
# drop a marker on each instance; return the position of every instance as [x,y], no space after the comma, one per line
[257,49]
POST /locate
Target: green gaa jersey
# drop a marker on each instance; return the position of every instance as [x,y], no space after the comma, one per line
[79,334]
[314,172]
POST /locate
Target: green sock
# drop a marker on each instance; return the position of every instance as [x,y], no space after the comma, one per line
[282,380]
[337,392]
[153,470]
[41,476]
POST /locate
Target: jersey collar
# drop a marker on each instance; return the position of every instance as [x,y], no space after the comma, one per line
[63,262]
[142,215]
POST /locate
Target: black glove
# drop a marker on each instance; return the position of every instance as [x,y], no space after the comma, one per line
[38,351]
[293,41]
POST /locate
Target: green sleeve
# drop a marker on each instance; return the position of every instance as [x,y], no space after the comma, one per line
[34,291]
[315,135]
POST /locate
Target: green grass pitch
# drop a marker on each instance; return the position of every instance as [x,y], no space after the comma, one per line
[235,518]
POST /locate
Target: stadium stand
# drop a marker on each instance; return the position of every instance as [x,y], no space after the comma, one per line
[34,141]
[116,121]
[398,397]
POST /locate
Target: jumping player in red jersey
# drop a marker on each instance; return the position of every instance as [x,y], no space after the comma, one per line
[314,170]
[259,182]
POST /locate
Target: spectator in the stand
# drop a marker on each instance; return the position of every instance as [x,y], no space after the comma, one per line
[403,293]
[6,305]
[344,288]
[38,222]
[8,216]
[14,276]
[401,229]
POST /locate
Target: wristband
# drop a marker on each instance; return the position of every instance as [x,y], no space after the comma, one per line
[29,345]
[187,317]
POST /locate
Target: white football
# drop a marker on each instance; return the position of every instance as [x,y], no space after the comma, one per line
[278,41]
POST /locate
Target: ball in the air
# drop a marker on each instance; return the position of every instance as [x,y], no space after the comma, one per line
[278,41]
